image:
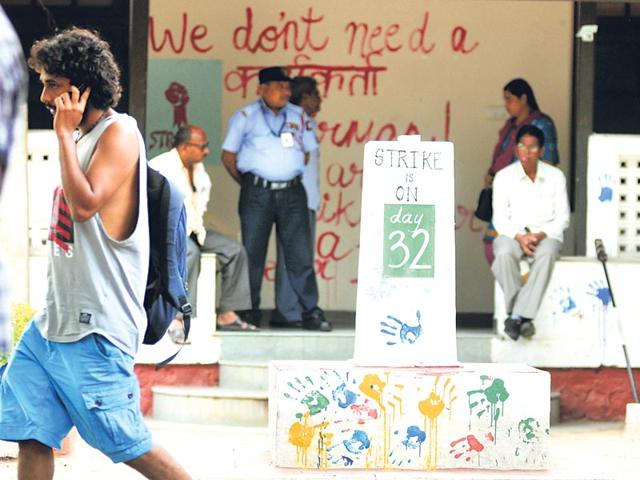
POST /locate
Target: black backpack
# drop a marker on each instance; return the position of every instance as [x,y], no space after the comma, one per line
[166,292]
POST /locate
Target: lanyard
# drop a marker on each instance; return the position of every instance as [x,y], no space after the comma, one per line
[266,120]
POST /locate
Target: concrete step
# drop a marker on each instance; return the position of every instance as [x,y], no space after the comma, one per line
[246,356]
[474,345]
[244,374]
[211,405]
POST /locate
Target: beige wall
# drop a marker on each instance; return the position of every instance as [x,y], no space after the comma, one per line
[437,91]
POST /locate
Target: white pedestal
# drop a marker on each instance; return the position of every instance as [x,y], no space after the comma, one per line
[335,415]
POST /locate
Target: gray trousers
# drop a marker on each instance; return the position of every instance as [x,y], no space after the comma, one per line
[232,265]
[286,298]
[523,298]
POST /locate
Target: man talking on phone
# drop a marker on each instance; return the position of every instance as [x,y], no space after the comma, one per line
[74,363]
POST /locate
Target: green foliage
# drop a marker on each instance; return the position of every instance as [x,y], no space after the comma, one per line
[21,313]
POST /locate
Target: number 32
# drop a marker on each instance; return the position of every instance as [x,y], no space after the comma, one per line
[399,244]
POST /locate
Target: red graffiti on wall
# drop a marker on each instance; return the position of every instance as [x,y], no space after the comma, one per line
[330,250]
[458,41]
[197,34]
[375,40]
[354,79]
[285,34]
[355,132]
[178,97]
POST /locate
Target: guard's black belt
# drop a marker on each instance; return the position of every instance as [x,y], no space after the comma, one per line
[273,185]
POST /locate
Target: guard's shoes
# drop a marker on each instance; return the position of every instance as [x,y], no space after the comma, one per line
[278,320]
[512,328]
[527,330]
[314,320]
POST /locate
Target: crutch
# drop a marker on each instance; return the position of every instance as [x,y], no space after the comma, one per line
[602,256]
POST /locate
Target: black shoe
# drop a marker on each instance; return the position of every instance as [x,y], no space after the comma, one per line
[527,330]
[314,320]
[512,328]
[280,321]
[254,317]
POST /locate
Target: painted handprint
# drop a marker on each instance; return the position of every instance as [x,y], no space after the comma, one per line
[606,188]
[465,446]
[358,443]
[528,430]
[488,400]
[564,299]
[530,444]
[401,331]
[599,290]
[344,393]
[349,450]
[308,394]
[415,438]
[432,407]
[301,434]
[407,445]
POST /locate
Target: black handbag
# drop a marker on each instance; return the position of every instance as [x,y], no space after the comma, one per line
[484,210]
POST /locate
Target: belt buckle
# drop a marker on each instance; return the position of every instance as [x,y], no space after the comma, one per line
[278,185]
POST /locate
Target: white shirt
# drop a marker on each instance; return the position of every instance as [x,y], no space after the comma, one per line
[311,175]
[541,205]
[196,198]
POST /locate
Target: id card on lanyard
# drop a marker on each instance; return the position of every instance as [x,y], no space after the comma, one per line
[286,138]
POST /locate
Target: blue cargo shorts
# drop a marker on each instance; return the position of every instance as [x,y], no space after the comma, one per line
[48,387]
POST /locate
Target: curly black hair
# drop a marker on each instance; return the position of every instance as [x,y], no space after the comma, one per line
[84,58]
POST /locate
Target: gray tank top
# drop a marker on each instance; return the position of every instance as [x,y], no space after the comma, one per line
[96,284]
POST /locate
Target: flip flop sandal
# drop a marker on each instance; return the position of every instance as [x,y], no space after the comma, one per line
[237,326]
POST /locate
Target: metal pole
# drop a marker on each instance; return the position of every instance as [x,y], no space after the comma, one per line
[602,256]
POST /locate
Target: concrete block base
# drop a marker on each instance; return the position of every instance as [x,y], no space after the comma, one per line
[336,415]
[632,420]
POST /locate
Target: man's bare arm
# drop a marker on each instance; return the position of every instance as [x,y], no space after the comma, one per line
[112,163]
[229,160]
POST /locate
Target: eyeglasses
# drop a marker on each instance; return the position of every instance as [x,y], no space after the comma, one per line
[528,148]
[202,146]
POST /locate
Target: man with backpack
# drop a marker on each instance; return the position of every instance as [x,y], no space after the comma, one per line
[74,363]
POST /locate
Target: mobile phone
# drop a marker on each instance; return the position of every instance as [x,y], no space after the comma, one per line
[80,87]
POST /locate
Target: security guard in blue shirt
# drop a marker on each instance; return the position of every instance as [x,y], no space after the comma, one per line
[264,151]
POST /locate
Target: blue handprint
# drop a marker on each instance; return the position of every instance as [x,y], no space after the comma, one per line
[567,304]
[600,291]
[415,437]
[407,333]
[606,188]
[344,396]
[358,442]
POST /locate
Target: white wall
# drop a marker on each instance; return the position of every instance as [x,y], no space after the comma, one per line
[440,91]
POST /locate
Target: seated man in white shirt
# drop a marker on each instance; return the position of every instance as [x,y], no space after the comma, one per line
[183,166]
[530,213]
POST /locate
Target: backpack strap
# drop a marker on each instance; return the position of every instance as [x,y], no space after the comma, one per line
[186,309]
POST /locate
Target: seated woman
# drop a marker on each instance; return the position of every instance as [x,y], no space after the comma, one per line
[522,107]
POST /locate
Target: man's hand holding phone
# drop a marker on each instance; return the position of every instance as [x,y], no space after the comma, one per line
[70,108]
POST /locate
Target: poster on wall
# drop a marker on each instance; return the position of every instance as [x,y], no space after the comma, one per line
[183,92]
